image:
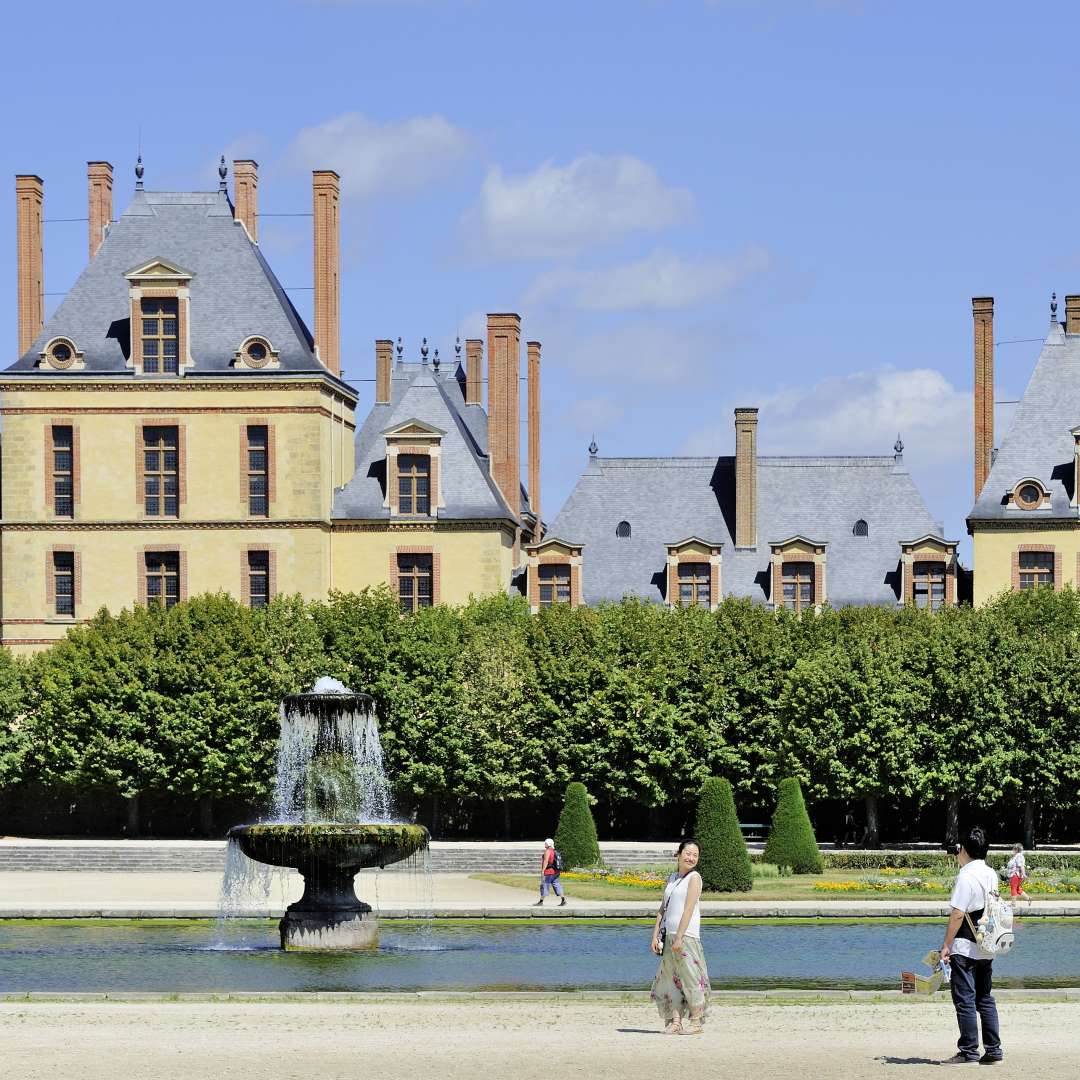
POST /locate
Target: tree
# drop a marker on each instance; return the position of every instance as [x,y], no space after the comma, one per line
[791,839]
[576,835]
[725,863]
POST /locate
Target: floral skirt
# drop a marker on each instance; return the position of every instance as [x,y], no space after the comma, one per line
[682,981]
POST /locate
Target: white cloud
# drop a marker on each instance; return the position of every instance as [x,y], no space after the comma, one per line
[662,281]
[860,413]
[375,158]
[558,210]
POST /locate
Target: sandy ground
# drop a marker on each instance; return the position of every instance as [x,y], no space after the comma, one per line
[522,1040]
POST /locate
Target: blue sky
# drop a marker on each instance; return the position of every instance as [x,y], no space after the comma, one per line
[694,205]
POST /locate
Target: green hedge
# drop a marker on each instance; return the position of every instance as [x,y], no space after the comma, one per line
[791,839]
[941,861]
[725,863]
[575,838]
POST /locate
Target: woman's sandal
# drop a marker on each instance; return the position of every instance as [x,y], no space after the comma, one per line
[693,1028]
[674,1027]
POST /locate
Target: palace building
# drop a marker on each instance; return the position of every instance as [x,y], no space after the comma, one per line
[174,428]
[789,532]
[1025,524]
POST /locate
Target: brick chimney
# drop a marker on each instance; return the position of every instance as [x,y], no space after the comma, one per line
[99,200]
[384,361]
[246,184]
[504,405]
[1072,314]
[746,478]
[29,198]
[325,192]
[474,371]
[534,431]
[982,310]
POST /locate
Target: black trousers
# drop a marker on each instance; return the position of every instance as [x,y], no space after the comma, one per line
[973,999]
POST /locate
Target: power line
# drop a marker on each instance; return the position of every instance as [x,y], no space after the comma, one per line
[1019,341]
[309,214]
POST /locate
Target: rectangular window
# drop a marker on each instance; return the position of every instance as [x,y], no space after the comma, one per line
[63,467]
[160,336]
[554,581]
[928,585]
[415,581]
[161,471]
[64,582]
[1036,570]
[162,577]
[798,585]
[259,578]
[694,585]
[414,484]
[258,468]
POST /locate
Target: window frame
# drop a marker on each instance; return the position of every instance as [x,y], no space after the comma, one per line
[254,474]
[59,475]
[798,581]
[557,579]
[161,474]
[168,565]
[159,338]
[414,568]
[258,599]
[409,481]
[1039,577]
[698,575]
[68,576]
[923,584]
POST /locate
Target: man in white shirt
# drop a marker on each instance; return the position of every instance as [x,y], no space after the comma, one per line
[971,975]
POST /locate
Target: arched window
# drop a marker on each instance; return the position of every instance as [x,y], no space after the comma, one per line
[861,528]
[622,530]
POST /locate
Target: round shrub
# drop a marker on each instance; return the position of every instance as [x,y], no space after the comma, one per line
[576,835]
[725,863]
[791,839]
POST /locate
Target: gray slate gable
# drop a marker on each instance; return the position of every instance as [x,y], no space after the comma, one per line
[668,499]
[234,293]
[417,392]
[1038,442]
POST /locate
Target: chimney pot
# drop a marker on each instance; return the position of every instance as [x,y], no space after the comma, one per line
[504,406]
[534,433]
[326,186]
[384,359]
[246,184]
[746,500]
[99,177]
[982,310]
[29,199]
[1072,314]
[474,371]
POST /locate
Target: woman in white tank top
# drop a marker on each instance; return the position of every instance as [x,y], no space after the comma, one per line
[682,980]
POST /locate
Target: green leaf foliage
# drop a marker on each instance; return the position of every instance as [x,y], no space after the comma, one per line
[725,863]
[576,835]
[791,839]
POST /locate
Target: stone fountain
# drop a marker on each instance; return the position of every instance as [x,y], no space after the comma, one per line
[332,817]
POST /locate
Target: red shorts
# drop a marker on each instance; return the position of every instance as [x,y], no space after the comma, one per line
[1016,884]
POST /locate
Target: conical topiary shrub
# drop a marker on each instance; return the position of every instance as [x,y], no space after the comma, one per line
[576,835]
[791,841]
[725,863]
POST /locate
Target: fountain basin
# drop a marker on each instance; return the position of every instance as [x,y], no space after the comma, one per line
[328,855]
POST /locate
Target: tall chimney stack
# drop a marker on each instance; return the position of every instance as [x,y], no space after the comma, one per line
[1072,314]
[746,478]
[534,431]
[504,406]
[99,200]
[474,371]
[29,198]
[325,192]
[982,310]
[384,360]
[246,183]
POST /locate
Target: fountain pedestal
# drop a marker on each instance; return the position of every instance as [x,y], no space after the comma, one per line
[329,915]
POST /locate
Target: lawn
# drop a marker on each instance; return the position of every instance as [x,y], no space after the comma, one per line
[792,887]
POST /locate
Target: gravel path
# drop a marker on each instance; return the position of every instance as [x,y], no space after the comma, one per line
[522,1040]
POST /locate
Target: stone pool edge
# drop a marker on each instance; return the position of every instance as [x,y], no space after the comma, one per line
[595,997]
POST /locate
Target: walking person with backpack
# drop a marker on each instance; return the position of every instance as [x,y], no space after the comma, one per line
[1015,873]
[551,866]
[980,926]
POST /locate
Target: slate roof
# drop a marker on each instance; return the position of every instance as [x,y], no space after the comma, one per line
[416,391]
[1038,442]
[667,499]
[234,293]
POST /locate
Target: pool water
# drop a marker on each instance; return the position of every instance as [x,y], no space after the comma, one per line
[196,955]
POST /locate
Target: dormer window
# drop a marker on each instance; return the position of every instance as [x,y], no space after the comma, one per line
[61,354]
[798,573]
[256,352]
[413,453]
[693,573]
[160,300]
[1029,494]
[861,528]
[553,573]
[622,530]
[929,572]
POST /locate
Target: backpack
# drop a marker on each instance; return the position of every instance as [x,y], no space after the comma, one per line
[994,930]
[556,863]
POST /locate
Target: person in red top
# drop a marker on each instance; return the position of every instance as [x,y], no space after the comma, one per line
[550,869]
